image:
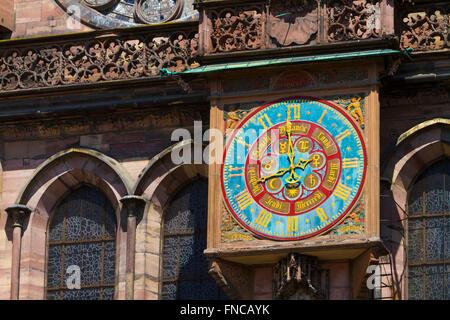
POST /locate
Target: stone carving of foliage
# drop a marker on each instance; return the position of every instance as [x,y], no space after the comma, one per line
[236,29]
[104,59]
[427,29]
[353,20]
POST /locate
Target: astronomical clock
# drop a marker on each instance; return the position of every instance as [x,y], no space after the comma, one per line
[293,169]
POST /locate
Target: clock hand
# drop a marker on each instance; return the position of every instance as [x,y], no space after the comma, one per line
[291,180]
[290,146]
[298,165]
[276,174]
[293,177]
[302,166]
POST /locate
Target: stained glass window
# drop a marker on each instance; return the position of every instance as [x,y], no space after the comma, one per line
[185,269]
[81,240]
[428,247]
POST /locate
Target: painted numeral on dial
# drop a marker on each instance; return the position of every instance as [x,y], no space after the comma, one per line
[263,123]
[237,169]
[263,218]
[342,135]
[321,117]
[292,224]
[342,192]
[242,142]
[244,199]
[296,111]
[321,214]
[350,163]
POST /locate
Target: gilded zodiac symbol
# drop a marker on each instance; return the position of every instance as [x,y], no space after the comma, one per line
[282,147]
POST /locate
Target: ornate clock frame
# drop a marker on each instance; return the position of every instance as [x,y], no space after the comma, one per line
[352,87]
[314,207]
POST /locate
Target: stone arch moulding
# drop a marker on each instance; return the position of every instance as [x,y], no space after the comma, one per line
[51,182]
[158,182]
[82,159]
[416,150]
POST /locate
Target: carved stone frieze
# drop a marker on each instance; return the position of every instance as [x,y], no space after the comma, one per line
[236,29]
[292,22]
[102,59]
[426,29]
[353,20]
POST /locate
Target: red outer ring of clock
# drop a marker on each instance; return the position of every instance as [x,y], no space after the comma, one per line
[263,235]
[321,188]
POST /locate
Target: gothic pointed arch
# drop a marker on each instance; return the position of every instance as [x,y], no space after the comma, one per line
[161,177]
[70,167]
[47,188]
[416,150]
[158,183]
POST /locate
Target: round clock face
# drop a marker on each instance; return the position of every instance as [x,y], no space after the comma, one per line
[156,11]
[293,168]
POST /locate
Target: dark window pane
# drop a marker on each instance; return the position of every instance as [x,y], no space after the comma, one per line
[447,239]
[108,294]
[82,234]
[91,262]
[415,283]
[89,294]
[188,290]
[184,263]
[109,262]
[57,225]
[434,285]
[429,233]
[72,257]
[170,258]
[54,267]
[415,241]
[187,258]
[434,239]
[169,291]
[53,295]
[70,295]
[447,282]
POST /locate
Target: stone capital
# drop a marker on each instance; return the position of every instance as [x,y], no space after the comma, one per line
[18,214]
[133,205]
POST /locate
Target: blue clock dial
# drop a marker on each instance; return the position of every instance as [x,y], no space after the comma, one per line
[293,168]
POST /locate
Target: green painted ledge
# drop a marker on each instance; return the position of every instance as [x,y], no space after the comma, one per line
[281,61]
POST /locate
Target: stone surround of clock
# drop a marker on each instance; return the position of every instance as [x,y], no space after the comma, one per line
[293,168]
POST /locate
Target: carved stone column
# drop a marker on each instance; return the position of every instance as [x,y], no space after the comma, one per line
[18,214]
[133,207]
